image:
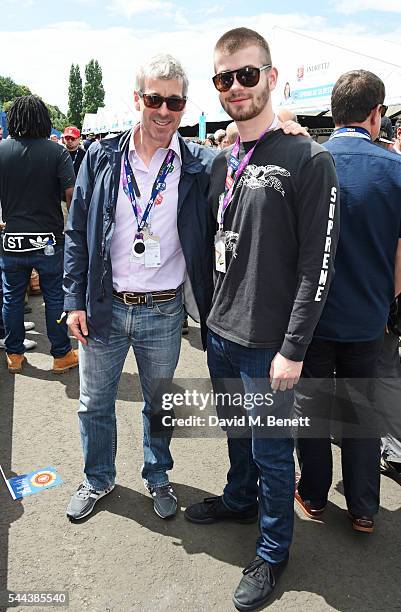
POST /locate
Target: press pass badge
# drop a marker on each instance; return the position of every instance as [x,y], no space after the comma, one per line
[220,209]
[220,251]
[152,252]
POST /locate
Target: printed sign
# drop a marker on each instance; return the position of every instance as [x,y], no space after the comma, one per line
[34,482]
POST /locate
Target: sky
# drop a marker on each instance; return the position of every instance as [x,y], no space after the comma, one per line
[39,39]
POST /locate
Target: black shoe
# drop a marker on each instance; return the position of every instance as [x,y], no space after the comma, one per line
[212,510]
[257,584]
[27,309]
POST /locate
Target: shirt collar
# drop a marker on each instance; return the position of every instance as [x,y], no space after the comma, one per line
[174,144]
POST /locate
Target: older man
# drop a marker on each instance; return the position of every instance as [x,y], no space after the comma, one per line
[139,242]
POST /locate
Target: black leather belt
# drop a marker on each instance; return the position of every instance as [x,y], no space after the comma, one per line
[140,298]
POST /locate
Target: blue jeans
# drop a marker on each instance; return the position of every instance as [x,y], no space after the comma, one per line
[154,332]
[260,468]
[16,272]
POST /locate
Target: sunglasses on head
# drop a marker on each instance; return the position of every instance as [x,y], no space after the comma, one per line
[173,103]
[248,76]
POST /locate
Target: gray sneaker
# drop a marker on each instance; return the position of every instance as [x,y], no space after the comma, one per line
[83,501]
[164,500]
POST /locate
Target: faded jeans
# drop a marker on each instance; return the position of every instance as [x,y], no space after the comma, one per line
[154,332]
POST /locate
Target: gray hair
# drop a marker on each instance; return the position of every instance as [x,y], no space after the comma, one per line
[161,66]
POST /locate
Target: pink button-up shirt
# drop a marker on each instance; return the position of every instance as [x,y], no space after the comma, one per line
[132,275]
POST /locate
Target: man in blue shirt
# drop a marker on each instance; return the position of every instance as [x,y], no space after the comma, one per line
[349,334]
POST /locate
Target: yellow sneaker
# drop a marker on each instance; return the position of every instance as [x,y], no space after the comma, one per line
[14,362]
[68,361]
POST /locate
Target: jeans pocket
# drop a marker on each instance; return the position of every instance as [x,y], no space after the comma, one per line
[172,308]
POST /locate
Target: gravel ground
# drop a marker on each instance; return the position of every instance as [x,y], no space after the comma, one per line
[123,557]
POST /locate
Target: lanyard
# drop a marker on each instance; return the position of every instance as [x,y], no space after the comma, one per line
[355,132]
[158,186]
[75,156]
[235,169]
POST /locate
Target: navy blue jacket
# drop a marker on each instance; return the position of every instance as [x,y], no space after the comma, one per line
[88,278]
[360,295]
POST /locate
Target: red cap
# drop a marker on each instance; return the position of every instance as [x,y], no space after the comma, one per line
[72,131]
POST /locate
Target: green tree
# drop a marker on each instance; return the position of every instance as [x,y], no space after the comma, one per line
[75,97]
[93,89]
[58,119]
[7,105]
[9,90]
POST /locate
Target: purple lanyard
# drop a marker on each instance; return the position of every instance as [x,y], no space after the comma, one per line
[159,185]
[235,169]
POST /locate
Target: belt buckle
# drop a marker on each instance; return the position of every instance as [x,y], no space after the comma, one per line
[125,296]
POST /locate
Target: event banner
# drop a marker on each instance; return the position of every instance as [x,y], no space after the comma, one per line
[306,76]
[34,482]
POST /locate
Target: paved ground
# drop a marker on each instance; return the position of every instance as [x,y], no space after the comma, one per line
[124,557]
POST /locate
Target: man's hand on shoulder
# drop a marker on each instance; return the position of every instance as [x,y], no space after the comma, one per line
[76,321]
[284,373]
[294,128]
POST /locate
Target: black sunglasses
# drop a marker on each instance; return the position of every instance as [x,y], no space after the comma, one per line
[248,76]
[173,103]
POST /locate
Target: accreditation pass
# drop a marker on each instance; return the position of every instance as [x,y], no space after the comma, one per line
[220,251]
[152,252]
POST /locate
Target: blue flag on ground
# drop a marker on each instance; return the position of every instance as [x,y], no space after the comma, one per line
[33,482]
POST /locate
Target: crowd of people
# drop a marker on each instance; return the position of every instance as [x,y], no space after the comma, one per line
[244,236]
